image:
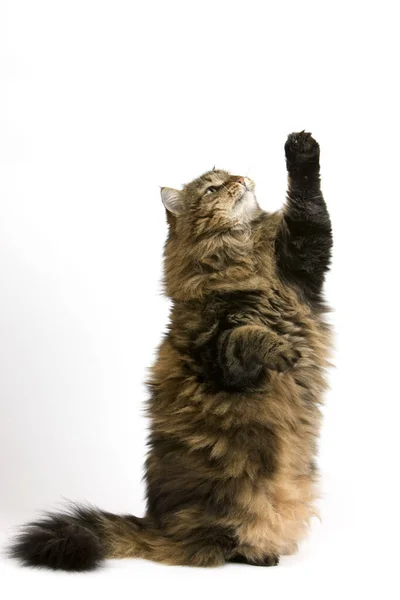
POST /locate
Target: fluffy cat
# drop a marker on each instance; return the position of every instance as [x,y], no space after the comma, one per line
[236,389]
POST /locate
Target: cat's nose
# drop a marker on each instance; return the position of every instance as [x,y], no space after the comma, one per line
[241,180]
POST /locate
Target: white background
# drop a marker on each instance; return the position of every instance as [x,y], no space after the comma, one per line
[101,103]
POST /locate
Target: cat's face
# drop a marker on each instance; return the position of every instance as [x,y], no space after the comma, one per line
[216,200]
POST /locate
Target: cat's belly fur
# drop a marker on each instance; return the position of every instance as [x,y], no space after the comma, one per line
[279,507]
[278,515]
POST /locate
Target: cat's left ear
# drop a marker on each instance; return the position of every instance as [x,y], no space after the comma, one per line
[172,200]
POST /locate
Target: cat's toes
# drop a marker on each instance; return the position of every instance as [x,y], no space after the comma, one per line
[286,359]
[269,560]
[301,149]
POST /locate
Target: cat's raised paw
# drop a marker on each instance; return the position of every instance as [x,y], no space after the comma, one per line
[301,150]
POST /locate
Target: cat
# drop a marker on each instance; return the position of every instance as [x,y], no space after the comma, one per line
[236,390]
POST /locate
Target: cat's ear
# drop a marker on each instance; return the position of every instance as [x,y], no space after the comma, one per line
[172,200]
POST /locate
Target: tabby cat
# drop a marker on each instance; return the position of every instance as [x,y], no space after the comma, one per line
[236,389]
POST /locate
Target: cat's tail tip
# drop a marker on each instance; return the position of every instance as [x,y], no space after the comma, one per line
[56,543]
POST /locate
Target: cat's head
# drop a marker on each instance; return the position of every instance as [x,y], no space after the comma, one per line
[210,233]
[215,202]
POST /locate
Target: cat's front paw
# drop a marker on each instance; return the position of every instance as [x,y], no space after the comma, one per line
[283,358]
[301,150]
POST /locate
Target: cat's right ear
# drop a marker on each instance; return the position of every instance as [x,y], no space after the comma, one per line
[172,200]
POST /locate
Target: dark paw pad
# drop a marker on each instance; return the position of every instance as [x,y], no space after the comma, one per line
[301,149]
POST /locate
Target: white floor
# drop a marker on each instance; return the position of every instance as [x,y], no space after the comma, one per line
[335,562]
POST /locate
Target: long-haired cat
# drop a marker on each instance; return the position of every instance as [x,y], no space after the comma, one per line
[236,389]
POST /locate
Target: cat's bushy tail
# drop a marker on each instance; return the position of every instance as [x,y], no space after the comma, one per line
[81,538]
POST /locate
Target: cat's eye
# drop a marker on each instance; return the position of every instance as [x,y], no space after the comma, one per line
[212,189]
